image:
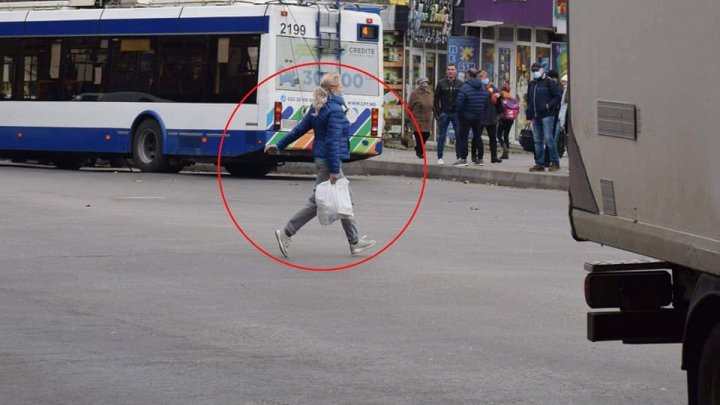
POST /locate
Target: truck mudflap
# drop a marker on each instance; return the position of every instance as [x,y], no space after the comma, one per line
[643,292]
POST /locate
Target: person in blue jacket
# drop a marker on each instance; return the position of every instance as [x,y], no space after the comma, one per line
[471,103]
[543,103]
[330,146]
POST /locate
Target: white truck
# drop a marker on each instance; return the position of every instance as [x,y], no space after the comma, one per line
[645,173]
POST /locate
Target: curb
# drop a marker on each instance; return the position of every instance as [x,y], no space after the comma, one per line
[473,175]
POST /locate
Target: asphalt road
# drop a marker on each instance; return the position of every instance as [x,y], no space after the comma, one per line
[131,288]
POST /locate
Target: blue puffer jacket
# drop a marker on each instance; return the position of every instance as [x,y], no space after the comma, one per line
[332,133]
[543,98]
[472,100]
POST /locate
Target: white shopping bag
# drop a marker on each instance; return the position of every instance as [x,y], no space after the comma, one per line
[333,201]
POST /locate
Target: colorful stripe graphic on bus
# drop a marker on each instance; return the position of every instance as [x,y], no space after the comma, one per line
[361,143]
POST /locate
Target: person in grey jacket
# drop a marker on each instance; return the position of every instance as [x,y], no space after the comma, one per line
[330,146]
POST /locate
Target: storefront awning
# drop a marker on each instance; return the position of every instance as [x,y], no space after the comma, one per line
[482,23]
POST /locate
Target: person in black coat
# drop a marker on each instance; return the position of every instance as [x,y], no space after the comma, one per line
[543,102]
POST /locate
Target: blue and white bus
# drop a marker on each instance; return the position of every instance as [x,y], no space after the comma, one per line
[158,84]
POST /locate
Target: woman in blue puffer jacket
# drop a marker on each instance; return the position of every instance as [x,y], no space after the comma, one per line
[330,147]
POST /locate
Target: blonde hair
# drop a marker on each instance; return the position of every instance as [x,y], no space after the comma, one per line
[330,83]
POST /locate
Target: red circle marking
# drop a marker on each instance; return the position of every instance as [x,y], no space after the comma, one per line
[309,268]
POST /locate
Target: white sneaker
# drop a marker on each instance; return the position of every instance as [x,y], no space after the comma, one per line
[361,244]
[441,162]
[283,241]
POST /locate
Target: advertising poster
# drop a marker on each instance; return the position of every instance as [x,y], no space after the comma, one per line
[463,52]
[430,21]
[560,12]
[560,57]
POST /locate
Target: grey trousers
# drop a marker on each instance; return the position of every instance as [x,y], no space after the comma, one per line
[309,211]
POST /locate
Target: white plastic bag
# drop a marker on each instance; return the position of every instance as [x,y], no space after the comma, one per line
[333,201]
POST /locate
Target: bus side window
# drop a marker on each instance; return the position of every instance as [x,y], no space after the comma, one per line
[85,62]
[41,58]
[7,68]
[235,69]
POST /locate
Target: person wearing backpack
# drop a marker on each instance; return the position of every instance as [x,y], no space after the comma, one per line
[507,119]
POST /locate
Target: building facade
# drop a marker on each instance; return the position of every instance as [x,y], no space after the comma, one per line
[514,34]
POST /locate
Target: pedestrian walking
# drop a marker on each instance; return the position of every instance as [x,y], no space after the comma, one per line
[421,105]
[543,101]
[507,119]
[488,123]
[330,146]
[472,101]
[444,104]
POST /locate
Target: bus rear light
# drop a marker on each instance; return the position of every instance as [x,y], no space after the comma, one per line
[19,135]
[203,140]
[107,137]
[368,20]
[374,122]
[278,116]
[284,13]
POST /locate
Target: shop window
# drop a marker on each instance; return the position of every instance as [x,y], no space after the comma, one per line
[488,60]
[506,34]
[542,36]
[488,33]
[41,67]
[524,34]
[542,56]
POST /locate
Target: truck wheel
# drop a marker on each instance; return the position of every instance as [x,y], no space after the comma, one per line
[708,377]
[249,170]
[147,147]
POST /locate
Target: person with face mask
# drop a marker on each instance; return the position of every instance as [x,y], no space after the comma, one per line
[421,105]
[488,123]
[472,102]
[331,146]
[543,102]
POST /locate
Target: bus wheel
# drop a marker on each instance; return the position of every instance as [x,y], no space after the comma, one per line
[69,163]
[249,170]
[708,377]
[147,147]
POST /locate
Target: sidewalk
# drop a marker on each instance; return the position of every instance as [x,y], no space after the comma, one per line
[399,161]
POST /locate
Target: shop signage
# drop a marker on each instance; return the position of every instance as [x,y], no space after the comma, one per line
[463,52]
[430,21]
[536,13]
